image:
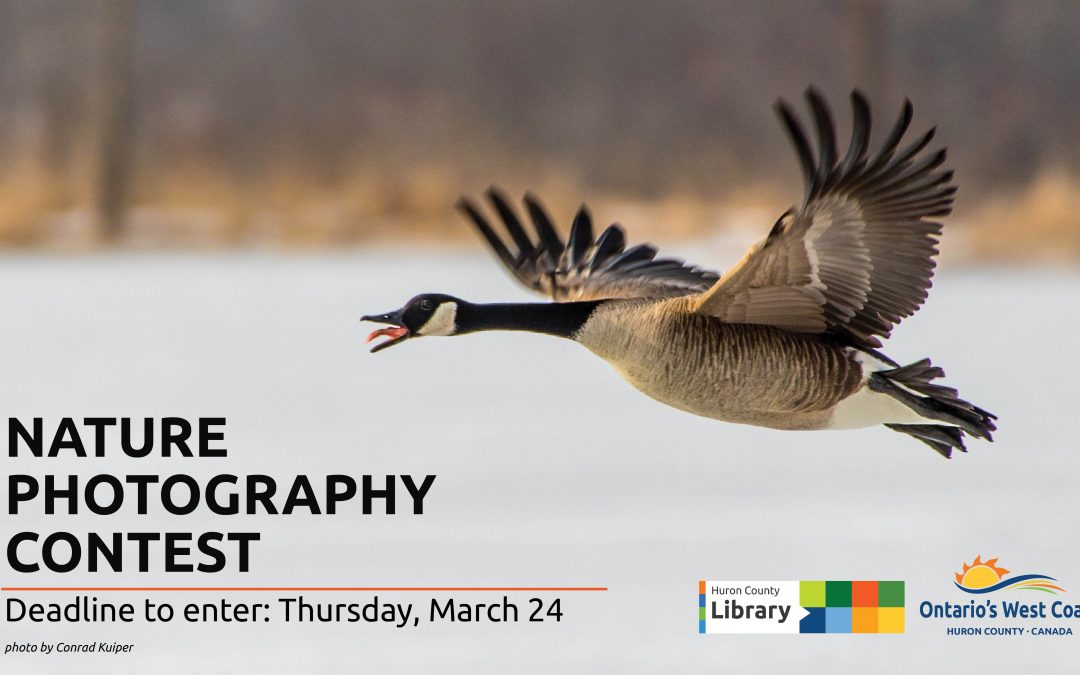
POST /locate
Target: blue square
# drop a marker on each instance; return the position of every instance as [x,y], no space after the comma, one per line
[701,600]
[814,622]
[701,627]
[837,619]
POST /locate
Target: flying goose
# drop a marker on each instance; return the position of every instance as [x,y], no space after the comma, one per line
[788,337]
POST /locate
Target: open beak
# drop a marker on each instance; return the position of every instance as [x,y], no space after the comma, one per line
[397,332]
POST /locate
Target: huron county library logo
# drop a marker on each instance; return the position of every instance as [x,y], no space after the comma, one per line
[828,607]
[986,577]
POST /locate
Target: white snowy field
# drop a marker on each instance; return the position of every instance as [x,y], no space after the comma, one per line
[551,471]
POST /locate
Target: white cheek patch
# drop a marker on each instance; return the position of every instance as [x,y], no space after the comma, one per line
[442,322]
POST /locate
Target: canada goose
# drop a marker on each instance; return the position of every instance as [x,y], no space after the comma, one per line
[786,338]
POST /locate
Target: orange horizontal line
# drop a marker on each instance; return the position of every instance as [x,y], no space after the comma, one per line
[105,589]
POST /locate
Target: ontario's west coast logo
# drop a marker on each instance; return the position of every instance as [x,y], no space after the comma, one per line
[800,606]
[1000,603]
[986,577]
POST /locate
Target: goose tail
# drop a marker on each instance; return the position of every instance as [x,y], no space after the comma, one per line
[913,385]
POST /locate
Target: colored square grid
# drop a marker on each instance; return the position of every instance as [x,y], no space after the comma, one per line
[864,619]
[812,594]
[837,619]
[890,594]
[838,594]
[814,622]
[890,620]
[864,594]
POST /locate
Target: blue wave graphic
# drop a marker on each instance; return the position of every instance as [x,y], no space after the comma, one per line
[1005,583]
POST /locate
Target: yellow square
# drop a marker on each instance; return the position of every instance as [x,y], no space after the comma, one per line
[890,619]
[864,619]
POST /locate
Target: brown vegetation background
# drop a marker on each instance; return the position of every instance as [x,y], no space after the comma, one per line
[206,123]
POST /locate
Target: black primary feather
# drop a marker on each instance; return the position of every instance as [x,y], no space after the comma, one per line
[583,267]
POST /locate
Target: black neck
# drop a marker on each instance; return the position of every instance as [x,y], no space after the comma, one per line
[562,319]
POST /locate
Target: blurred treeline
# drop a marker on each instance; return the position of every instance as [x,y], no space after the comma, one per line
[193,122]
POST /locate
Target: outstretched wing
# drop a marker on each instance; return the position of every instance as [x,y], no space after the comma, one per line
[583,268]
[859,255]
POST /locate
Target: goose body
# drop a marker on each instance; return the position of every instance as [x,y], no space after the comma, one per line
[741,373]
[788,337]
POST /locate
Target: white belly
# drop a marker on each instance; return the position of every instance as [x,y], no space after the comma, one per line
[867,408]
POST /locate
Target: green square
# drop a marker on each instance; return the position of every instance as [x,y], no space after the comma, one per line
[701,613]
[838,594]
[890,593]
[812,593]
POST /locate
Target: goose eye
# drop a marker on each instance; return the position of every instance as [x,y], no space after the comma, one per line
[425,305]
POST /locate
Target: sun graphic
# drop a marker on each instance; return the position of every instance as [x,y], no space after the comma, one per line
[980,574]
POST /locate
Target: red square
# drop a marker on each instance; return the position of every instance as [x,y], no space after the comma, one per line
[864,594]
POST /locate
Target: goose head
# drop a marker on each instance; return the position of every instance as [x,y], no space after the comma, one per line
[427,314]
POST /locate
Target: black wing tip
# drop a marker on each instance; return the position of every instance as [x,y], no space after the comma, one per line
[938,158]
[499,199]
[582,218]
[530,198]
[798,139]
[495,192]
[826,136]
[472,211]
[585,252]
[907,113]
[786,111]
[908,109]
[812,93]
[860,110]
[824,169]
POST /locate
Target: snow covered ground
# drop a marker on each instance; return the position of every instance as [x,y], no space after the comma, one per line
[551,471]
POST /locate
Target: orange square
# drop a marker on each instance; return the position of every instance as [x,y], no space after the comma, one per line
[864,619]
[701,587]
[864,594]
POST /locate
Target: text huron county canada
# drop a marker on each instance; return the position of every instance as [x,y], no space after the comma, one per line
[106,494]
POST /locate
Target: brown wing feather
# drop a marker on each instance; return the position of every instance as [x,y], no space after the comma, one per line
[585,267]
[858,257]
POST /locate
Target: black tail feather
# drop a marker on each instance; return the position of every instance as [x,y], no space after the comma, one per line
[941,438]
[913,385]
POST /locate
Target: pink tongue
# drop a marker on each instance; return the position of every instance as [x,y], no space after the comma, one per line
[394,332]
